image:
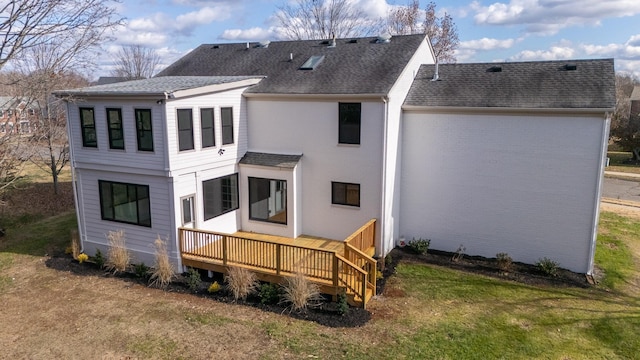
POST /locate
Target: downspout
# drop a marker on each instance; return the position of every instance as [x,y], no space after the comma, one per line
[596,215]
[79,209]
[383,212]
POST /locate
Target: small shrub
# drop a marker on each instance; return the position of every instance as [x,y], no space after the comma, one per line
[214,287]
[163,271]
[118,257]
[241,282]
[379,274]
[269,293]
[300,292]
[142,270]
[193,279]
[343,305]
[419,246]
[82,258]
[548,266]
[459,253]
[504,261]
[68,250]
[99,259]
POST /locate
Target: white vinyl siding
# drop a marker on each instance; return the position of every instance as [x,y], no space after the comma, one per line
[520,184]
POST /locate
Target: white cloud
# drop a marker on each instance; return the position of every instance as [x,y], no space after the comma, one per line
[252,34]
[487,44]
[547,17]
[554,53]
[187,22]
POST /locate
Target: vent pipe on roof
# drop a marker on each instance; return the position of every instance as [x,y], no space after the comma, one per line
[290,56]
[247,45]
[332,44]
[436,76]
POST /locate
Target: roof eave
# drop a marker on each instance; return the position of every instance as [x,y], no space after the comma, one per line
[466,109]
[280,96]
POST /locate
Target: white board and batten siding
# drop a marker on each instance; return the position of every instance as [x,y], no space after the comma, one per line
[191,167]
[181,162]
[130,159]
[389,227]
[139,239]
[310,128]
[524,185]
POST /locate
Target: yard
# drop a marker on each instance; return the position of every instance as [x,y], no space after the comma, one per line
[426,311]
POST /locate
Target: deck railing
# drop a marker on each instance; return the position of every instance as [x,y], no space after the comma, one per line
[325,266]
[362,261]
[364,238]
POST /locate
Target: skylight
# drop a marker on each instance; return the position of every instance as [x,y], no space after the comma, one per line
[312,63]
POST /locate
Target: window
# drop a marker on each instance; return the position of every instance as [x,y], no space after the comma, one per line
[349,123]
[185,129]
[127,203]
[345,194]
[88,126]
[220,195]
[208,132]
[268,200]
[187,210]
[227,125]
[144,130]
[114,123]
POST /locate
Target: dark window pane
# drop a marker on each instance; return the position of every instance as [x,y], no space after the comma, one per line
[128,203]
[227,125]
[220,195]
[144,130]
[185,129]
[208,133]
[88,127]
[268,200]
[114,124]
[345,194]
[349,123]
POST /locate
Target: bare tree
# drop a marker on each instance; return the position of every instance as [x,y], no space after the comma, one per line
[136,62]
[625,123]
[323,19]
[28,23]
[48,68]
[442,31]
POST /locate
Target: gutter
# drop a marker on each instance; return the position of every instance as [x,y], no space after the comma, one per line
[383,210]
[305,97]
[475,110]
[596,208]
[79,209]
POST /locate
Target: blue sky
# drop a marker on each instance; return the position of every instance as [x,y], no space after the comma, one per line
[495,30]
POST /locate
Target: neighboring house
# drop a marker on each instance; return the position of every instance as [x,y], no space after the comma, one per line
[16,115]
[308,137]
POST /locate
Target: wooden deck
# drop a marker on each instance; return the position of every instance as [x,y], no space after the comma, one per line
[335,266]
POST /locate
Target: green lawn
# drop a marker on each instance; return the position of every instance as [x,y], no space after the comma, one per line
[616,159]
[429,312]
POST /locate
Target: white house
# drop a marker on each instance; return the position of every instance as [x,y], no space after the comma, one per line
[314,137]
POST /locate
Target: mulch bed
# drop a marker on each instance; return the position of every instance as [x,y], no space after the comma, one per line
[326,313]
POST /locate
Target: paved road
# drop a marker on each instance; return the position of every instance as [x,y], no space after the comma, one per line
[621,189]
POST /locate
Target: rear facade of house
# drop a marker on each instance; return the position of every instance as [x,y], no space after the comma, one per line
[313,138]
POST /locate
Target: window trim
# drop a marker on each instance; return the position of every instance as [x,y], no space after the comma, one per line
[193,210]
[109,129]
[346,203]
[228,126]
[181,146]
[341,122]
[235,197]
[212,129]
[84,129]
[139,130]
[137,186]
[286,212]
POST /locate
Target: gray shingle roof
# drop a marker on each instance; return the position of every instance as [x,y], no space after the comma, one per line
[272,160]
[153,86]
[362,67]
[540,84]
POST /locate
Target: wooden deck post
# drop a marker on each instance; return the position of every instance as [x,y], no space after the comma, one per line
[224,250]
[278,258]
[335,270]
